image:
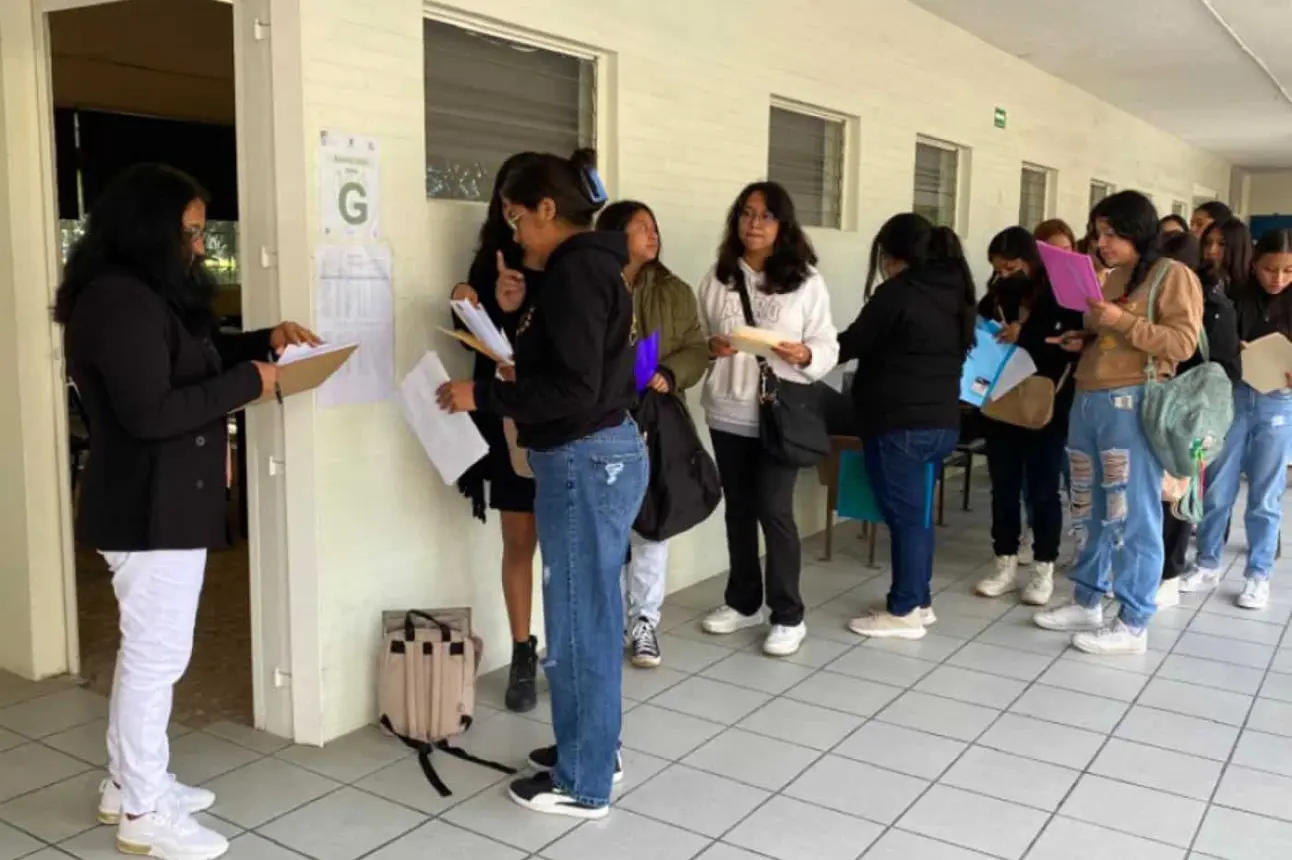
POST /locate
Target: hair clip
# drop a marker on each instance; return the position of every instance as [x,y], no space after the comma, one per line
[593,189]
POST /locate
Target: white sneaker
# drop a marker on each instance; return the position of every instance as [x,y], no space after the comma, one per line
[1117,639]
[1003,581]
[189,799]
[927,616]
[170,833]
[724,620]
[1199,579]
[1040,587]
[1168,593]
[1071,618]
[885,625]
[1256,594]
[784,641]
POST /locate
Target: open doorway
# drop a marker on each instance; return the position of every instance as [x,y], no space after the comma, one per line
[154,81]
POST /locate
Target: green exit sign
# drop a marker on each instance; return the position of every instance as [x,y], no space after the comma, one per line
[1000,117]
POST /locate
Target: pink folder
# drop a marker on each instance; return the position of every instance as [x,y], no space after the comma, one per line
[1072,276]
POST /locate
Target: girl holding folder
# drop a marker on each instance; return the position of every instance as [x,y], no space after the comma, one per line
[1259,442]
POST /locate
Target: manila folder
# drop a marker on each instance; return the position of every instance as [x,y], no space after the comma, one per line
[1266,362]
[311,371]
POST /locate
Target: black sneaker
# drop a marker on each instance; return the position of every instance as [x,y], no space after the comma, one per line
[522,689]
[544,761]
[645,644]
[537,793]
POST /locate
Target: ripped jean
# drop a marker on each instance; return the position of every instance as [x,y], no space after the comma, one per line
[1116,494]
[587,494]
[1258,444]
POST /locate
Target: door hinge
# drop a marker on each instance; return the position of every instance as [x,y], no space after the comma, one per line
[276,466]
[260,29]
[282,679]
[268,258]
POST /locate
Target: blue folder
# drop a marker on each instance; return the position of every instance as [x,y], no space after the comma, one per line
[985,363]
[856,499]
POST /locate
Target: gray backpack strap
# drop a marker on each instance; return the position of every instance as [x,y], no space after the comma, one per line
[1158,275]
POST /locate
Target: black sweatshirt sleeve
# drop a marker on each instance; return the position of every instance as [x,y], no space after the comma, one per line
[242,347]
[868,330]
[574,306]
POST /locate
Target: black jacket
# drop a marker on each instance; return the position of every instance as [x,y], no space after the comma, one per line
[909,354]
[1220,322]
[574,350]
[684,488]
[157,399]
[1046,319]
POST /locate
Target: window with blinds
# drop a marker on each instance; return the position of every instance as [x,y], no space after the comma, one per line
[1098,191]
[1033,191]
[488,98]
[937,168]
[805,154]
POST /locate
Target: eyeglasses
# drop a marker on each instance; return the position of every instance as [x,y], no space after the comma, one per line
[513,221]
[749,216]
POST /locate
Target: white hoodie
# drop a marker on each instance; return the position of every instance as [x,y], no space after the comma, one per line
[731,388]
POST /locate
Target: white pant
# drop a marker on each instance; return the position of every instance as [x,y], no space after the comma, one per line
[645,579]
[157,594]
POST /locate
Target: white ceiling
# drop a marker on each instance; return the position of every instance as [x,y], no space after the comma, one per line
[1169,62]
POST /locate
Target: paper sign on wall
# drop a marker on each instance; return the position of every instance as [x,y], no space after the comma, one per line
[353,289]
[349,186]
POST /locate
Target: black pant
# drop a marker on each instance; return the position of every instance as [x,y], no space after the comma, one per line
[1175,543]
[1025,466]
[759,491]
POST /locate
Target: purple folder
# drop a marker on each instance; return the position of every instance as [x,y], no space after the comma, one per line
[1072,276]
[647,360]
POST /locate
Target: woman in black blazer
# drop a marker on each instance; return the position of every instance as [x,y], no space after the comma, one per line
[158,382]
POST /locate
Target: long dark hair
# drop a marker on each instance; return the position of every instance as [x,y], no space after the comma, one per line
[1131,216]
[1277,241]
[910,238]
[616,217]
[1173,219]
[1215,210]
[1184,247]
[1236,268]
[136,228]
[792,254]
[495,233]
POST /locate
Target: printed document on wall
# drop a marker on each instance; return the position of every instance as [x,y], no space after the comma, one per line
[355,305]
[450,440]
[349,186]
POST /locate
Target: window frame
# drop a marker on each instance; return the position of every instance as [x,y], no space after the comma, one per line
[1109,190]
[848,127]
[604,66]
[1050,177]
[959,203]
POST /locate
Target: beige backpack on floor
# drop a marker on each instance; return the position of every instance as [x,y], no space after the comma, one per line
[427,683]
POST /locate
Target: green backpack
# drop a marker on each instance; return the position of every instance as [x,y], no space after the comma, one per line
[1186,418]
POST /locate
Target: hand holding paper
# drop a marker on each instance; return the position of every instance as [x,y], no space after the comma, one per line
[1267,363]
[451,441]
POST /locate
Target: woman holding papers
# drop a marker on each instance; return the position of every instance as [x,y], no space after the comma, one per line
[766,259]
[498,272]
[664,303]
[910,342]
[1026,464]
[1259,443]
[569,394]
[158,381]
[1116,477]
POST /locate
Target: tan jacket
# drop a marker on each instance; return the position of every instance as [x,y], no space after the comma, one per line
[1117,356]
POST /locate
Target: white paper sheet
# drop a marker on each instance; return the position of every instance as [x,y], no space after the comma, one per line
[756,341]
[451,441]
[299,352]
[1019,367]
[479,324]
[1266,361]
[355,306]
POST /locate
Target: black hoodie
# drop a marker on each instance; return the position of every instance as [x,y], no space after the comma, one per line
[907,342]
[574,350]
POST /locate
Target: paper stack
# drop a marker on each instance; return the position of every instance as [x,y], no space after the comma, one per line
[295,352]
[757,341]
[451,441]
[485,336]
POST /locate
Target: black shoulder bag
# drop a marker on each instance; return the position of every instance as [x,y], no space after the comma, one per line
[791,419]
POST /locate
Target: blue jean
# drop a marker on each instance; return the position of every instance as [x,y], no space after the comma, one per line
[587,494]
[903,466]
[1258,444]
[1116,495]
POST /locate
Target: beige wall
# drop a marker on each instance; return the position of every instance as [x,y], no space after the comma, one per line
[32,461]
[1270,193]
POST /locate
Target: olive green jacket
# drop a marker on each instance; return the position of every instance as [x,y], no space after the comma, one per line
[663,302]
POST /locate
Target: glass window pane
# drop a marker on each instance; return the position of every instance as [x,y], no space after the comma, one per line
[936,178]
[805,154]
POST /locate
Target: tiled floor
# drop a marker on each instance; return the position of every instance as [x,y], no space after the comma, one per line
[989,738]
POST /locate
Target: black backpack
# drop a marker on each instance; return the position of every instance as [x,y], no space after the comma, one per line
[684,488]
